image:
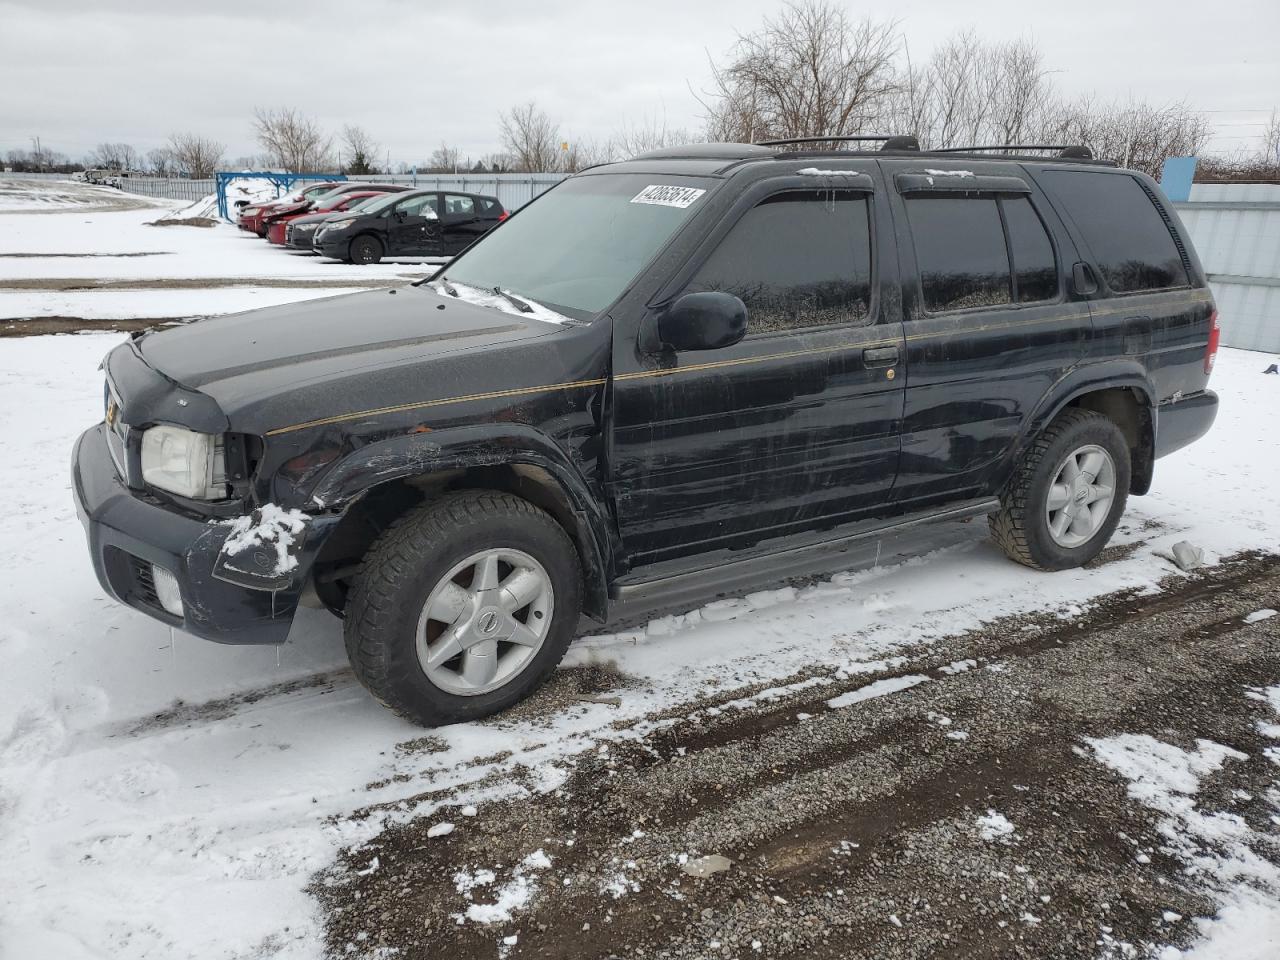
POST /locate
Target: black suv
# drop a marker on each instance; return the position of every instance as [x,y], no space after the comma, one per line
[667,375]
[421,223]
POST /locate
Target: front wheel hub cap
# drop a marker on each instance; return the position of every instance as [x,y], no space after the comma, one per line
[484,621]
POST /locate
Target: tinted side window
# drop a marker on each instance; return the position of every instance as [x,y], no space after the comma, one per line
[799,259]
[960,252]
[1123,228]
[458,206]
[418,206]
[1035,272]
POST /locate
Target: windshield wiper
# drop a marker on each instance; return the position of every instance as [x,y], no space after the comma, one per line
[449,288]
[514,301]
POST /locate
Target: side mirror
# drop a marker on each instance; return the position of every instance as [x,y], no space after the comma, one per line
[703,321]
[401,215]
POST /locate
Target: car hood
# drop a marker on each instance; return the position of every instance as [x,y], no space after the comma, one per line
[319,216]
[245,359]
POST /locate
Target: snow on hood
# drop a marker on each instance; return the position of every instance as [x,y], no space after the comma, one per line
[487,298]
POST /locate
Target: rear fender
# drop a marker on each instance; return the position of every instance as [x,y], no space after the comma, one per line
[1072,388]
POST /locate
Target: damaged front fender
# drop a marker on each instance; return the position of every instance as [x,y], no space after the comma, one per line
[261,550]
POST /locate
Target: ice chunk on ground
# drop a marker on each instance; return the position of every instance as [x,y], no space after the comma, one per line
[878,689]
[994,826]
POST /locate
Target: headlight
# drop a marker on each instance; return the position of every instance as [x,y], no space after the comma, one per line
[339,224]
[184,462]
[305,227]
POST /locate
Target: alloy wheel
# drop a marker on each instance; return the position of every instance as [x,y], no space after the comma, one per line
[1080,496]
[484,621]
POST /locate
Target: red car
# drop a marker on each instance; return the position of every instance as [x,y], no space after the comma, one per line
[249,217]
[276,223]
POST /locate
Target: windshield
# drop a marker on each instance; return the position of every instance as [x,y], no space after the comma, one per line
[368,203]
[577,248]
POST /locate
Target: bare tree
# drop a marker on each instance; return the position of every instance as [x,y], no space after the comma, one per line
[811,71]
[531,138]
[360,149]
[446,159]
[160,162]
[587,152]
[1270,152]
[195,156]
[973,92]
[1134,134]
[630,140]
[292,141]
[113,156]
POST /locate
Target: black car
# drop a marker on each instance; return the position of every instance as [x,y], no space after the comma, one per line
[673,375]
[300,231]
[422,223]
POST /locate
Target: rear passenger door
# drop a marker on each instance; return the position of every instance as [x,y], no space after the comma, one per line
[460,217]
[989,325]
[796,425]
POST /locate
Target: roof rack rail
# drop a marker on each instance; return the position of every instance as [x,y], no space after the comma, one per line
[1064,150]
[858,138]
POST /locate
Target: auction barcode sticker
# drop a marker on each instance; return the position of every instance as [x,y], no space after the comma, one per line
[667,196]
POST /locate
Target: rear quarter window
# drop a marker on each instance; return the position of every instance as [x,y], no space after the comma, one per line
[1124,230]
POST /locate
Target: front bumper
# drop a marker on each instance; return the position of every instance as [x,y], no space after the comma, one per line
[1183,421]
[296,239]
[128,533]
[332,246]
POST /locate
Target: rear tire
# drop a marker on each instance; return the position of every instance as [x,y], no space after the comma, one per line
[463,607]
[1066,495]
[365,249]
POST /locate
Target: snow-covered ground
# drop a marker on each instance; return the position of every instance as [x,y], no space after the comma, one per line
[194,834]
[52,233]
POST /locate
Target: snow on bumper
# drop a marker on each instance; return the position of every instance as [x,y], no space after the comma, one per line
[229,594]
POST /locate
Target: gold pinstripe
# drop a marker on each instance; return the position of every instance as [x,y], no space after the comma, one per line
[693,368]
[424,404]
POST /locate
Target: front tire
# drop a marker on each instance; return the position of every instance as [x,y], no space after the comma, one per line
[1067,494]
[365,249]
[463,607]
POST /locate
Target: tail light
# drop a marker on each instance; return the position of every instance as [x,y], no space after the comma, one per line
[1211,349]
[504,216]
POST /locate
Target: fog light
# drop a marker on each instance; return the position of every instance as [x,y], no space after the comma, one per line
[167,591]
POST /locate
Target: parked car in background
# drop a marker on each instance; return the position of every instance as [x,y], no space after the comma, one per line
[666,377]
[300,232]
[342,189]
[330,203]
[428,223]
[250,215]
[405,225]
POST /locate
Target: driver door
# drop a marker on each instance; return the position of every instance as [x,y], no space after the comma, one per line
[795,426]
[414,228]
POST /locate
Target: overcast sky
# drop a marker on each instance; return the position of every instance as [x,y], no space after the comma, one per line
[414,73]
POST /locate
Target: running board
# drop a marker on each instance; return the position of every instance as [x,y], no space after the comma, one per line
[713,572]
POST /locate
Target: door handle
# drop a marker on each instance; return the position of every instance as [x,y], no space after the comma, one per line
[880,356]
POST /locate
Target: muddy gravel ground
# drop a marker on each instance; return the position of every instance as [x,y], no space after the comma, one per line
[854,831]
